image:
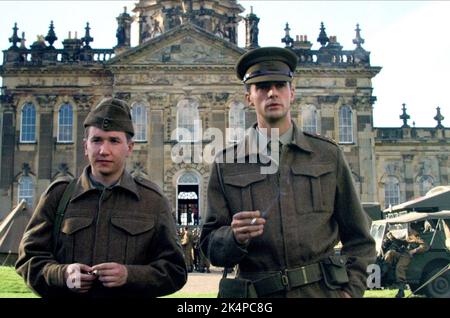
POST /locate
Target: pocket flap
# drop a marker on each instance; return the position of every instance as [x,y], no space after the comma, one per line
[338,260]
[133,226]
[314,171]
[243,180]
[74,224]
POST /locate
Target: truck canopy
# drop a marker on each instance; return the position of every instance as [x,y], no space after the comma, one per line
[437,199]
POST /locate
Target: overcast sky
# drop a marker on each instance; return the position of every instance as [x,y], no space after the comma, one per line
[409,39]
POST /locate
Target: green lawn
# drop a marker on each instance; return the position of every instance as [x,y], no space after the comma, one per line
[12,286]
[386,293]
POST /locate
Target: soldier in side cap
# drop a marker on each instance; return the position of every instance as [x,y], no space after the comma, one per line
[281,228]
[106,233]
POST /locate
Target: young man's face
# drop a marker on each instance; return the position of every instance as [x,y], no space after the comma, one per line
[272,101]
[107,152]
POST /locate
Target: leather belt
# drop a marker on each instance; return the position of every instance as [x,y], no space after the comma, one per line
[287,279]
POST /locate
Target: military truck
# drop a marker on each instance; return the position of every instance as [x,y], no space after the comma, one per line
[428,273]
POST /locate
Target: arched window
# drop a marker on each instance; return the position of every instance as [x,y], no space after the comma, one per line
[188,178]
[139,117]
[188,120]
[345,125]
[28,123]
[65,123]
[391,191]
[425,184]
[236,117]
[26,191]
[309,118]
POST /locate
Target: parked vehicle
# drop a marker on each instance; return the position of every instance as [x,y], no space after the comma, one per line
[435,232]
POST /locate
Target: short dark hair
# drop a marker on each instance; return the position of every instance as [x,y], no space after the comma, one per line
[86,134]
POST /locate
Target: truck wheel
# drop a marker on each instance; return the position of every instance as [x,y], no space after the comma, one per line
[439,287]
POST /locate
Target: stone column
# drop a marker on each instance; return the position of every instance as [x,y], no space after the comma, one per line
[408,176]
[46,139]
[84,105]
[443,169]
[367,164]
[8,141]
[156,164]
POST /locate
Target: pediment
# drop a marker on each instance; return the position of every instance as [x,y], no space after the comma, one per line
[185,45]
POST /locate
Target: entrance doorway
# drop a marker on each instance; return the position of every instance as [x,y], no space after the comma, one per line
[188,199]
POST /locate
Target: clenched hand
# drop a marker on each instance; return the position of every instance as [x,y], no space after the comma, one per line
[111,274]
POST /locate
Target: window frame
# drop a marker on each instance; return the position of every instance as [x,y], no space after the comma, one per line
[23,116]
[236,126]
[346,129]
[421,182]
[29,191]
[142,124]
[312,111]
[69,126]
[391,185]
[188,107]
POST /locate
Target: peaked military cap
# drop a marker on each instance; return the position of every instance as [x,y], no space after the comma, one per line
[111,114]
[267,64]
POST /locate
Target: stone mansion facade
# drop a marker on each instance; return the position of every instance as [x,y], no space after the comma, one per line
[182,75]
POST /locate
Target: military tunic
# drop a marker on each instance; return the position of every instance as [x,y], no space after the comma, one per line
[130,224]
[311,204]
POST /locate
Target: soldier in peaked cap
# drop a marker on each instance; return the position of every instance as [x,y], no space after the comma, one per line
[281,228]
[106,233]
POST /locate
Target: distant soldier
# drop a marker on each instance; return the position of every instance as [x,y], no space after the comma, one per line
[196,249]
[187,241]
[401,252]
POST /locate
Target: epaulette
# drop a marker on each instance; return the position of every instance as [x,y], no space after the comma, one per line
[63,179]
[149,185]
[324,138]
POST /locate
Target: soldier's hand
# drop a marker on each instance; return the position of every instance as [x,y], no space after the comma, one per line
[111,274]
[246,225]
[345,294]
[78,279]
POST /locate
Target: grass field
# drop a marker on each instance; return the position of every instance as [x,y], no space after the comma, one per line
[12,286]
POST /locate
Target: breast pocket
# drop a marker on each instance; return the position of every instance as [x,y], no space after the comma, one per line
[315,187]
[130,239]
[75,238]
[242,188]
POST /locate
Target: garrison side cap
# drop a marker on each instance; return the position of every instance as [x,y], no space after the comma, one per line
[111,114]
[267,64]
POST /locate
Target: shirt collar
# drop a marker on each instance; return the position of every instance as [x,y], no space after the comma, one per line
[255,143]
[285,138]
[294,135]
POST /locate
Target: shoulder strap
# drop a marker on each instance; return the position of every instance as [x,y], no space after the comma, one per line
[61,210]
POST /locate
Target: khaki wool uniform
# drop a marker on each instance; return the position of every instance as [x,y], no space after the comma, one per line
[402,259]
[187,242]
[311,205]
[129,223]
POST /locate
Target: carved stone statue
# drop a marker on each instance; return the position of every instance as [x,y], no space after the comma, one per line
[156,30]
